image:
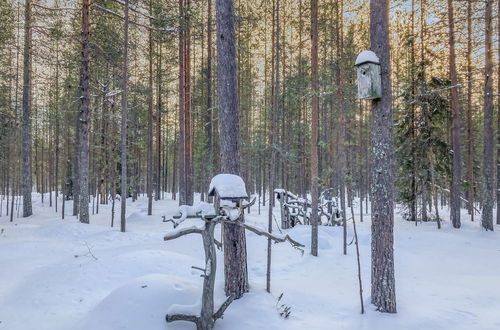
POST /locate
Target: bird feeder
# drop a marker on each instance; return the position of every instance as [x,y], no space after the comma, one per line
[228,191]
[368,72]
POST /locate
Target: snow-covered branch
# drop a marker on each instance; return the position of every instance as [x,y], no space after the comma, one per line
[181,232]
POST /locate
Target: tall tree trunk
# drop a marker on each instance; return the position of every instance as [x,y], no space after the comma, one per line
[185,150]
[456,111]
[487,214]
[75,178]
[382,275]
[158,126]
[150,121]
[188,141]
[498,126]
[84,116]
[182,105]
[26,120]
[470,127]
[273,135]
[235,254]
[314,127]
[342,123]
[208,113]
[413,188]
[124,188]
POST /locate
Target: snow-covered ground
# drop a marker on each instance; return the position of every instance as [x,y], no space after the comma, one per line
[445,279]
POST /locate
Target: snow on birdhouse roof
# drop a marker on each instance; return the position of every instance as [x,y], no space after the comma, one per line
[228,186]
[367,56]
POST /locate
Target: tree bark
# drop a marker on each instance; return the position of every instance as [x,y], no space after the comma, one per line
[124,105]
[470,127]
[314,127]
[487,214]
[150,121]
[84,116]
[208,118]
[158,125]
[382,275]
[185,138]
[342,156]
[26,120]
[456,111]
[235,255]
[273,137]
[498,127]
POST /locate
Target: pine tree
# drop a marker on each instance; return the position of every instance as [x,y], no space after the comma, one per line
[235,254]
[383,283]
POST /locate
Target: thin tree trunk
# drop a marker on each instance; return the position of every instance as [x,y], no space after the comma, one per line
[150,121]
[470,127]
[314,127]
[26,120]
[273,137]
[58,129]
[188,141]
[124,188]
[456,111]
[342,156]
[158,127]
[84,116]
[487,214]
[209,115]
[182,104]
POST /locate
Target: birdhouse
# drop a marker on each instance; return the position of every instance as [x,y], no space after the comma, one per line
[368,72]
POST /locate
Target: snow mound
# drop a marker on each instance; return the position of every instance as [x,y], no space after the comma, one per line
[228,186]
[367,56]
[142,304]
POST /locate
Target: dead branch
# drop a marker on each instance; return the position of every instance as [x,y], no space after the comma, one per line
[88,254]
[181,232]
[48,8]
[182,317]
[245,206]
[149,27]
[136,9]
[463,199]
[218,244]
[222,308]
[359,268]
[259,232]
[172,221]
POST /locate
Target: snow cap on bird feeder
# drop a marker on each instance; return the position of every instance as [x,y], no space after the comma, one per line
[368,72]
[228,187]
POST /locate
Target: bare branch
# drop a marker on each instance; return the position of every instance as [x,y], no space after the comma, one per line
[149,27]
[172,221]
[249,204]
[88,254]
[136,9]
[218,244]
[222,308]
[181,232]
[260,232]
[55,8]
[182,317]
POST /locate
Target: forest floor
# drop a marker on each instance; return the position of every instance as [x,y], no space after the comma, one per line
[59,275]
